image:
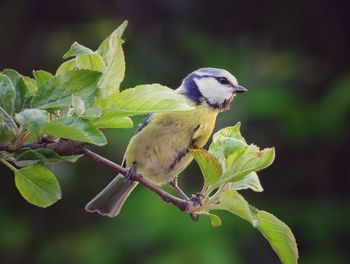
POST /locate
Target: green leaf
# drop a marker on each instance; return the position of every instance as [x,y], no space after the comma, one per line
[42,155]
[115,71]
[251,181]
[252,159]
[274,230]
[226,142]
[77,49]
[31,85]
[42,77]
[5,156]
[104,47]
[78,106]
[229,132]
[108,102]
[209,165]
[279,236]
[33,120]
[8,127]
[92,113]
[57,91]
[215,220]
[7,94]
[240,159]
[75,129]
[112,122]
[38,185]
[20,87]
[67,66]
[30,138]
[233,202]
[91,62]
[143,99]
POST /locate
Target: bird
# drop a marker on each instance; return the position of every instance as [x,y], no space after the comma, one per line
[159,150]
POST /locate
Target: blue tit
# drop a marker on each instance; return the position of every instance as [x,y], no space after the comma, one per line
[159,150]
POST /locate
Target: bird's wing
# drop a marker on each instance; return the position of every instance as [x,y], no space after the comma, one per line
[145,121]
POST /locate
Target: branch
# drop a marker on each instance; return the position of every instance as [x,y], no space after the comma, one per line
[66,147]
[62,147]
[183,205]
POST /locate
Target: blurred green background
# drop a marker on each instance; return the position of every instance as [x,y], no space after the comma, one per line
[294,58]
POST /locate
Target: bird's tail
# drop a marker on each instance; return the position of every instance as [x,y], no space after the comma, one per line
[111,199]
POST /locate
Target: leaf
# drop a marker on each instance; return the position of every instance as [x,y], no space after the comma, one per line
[38,185]
[5,155]
[274,230]
[226,142]
[57,91]
[143,99]
[108,102]
[252,159]
[209,165]
[66,66]
[75,129]
[8,127]
[215,220]
[112,122]
[250,181]
[78,106]
[33,120]
[30,138]
[41,155]
[90,62]
[105,45]
[238,158]
[233,202]
[279,236]
[229,132]
[77,49]
[7,94]
[20,87]
[115,71]
[31,84]
[42,77]
[92,113]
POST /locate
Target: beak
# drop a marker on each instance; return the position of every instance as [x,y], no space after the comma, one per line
[239,89]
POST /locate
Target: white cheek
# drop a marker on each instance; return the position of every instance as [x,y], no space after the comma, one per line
[213,91]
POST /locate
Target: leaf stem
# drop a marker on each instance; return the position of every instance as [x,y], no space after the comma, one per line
[6,163]
[216,196]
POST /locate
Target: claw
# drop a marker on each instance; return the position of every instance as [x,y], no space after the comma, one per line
[197,199]
[194,217]
[130,173]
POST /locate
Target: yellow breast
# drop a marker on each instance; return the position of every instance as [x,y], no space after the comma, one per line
[160,150]
[206,118]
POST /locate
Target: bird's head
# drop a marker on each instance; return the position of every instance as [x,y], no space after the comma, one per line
[217,87]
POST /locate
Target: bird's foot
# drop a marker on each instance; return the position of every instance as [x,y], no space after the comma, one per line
[194,217]
[174,186]
[196,200]
[130,173]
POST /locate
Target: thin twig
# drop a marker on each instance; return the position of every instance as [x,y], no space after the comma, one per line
[62,147]
[66,147]
[183,205]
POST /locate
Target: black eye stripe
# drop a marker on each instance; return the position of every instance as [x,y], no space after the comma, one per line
[222,80]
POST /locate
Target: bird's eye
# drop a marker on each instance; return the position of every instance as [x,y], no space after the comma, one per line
[223,80]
